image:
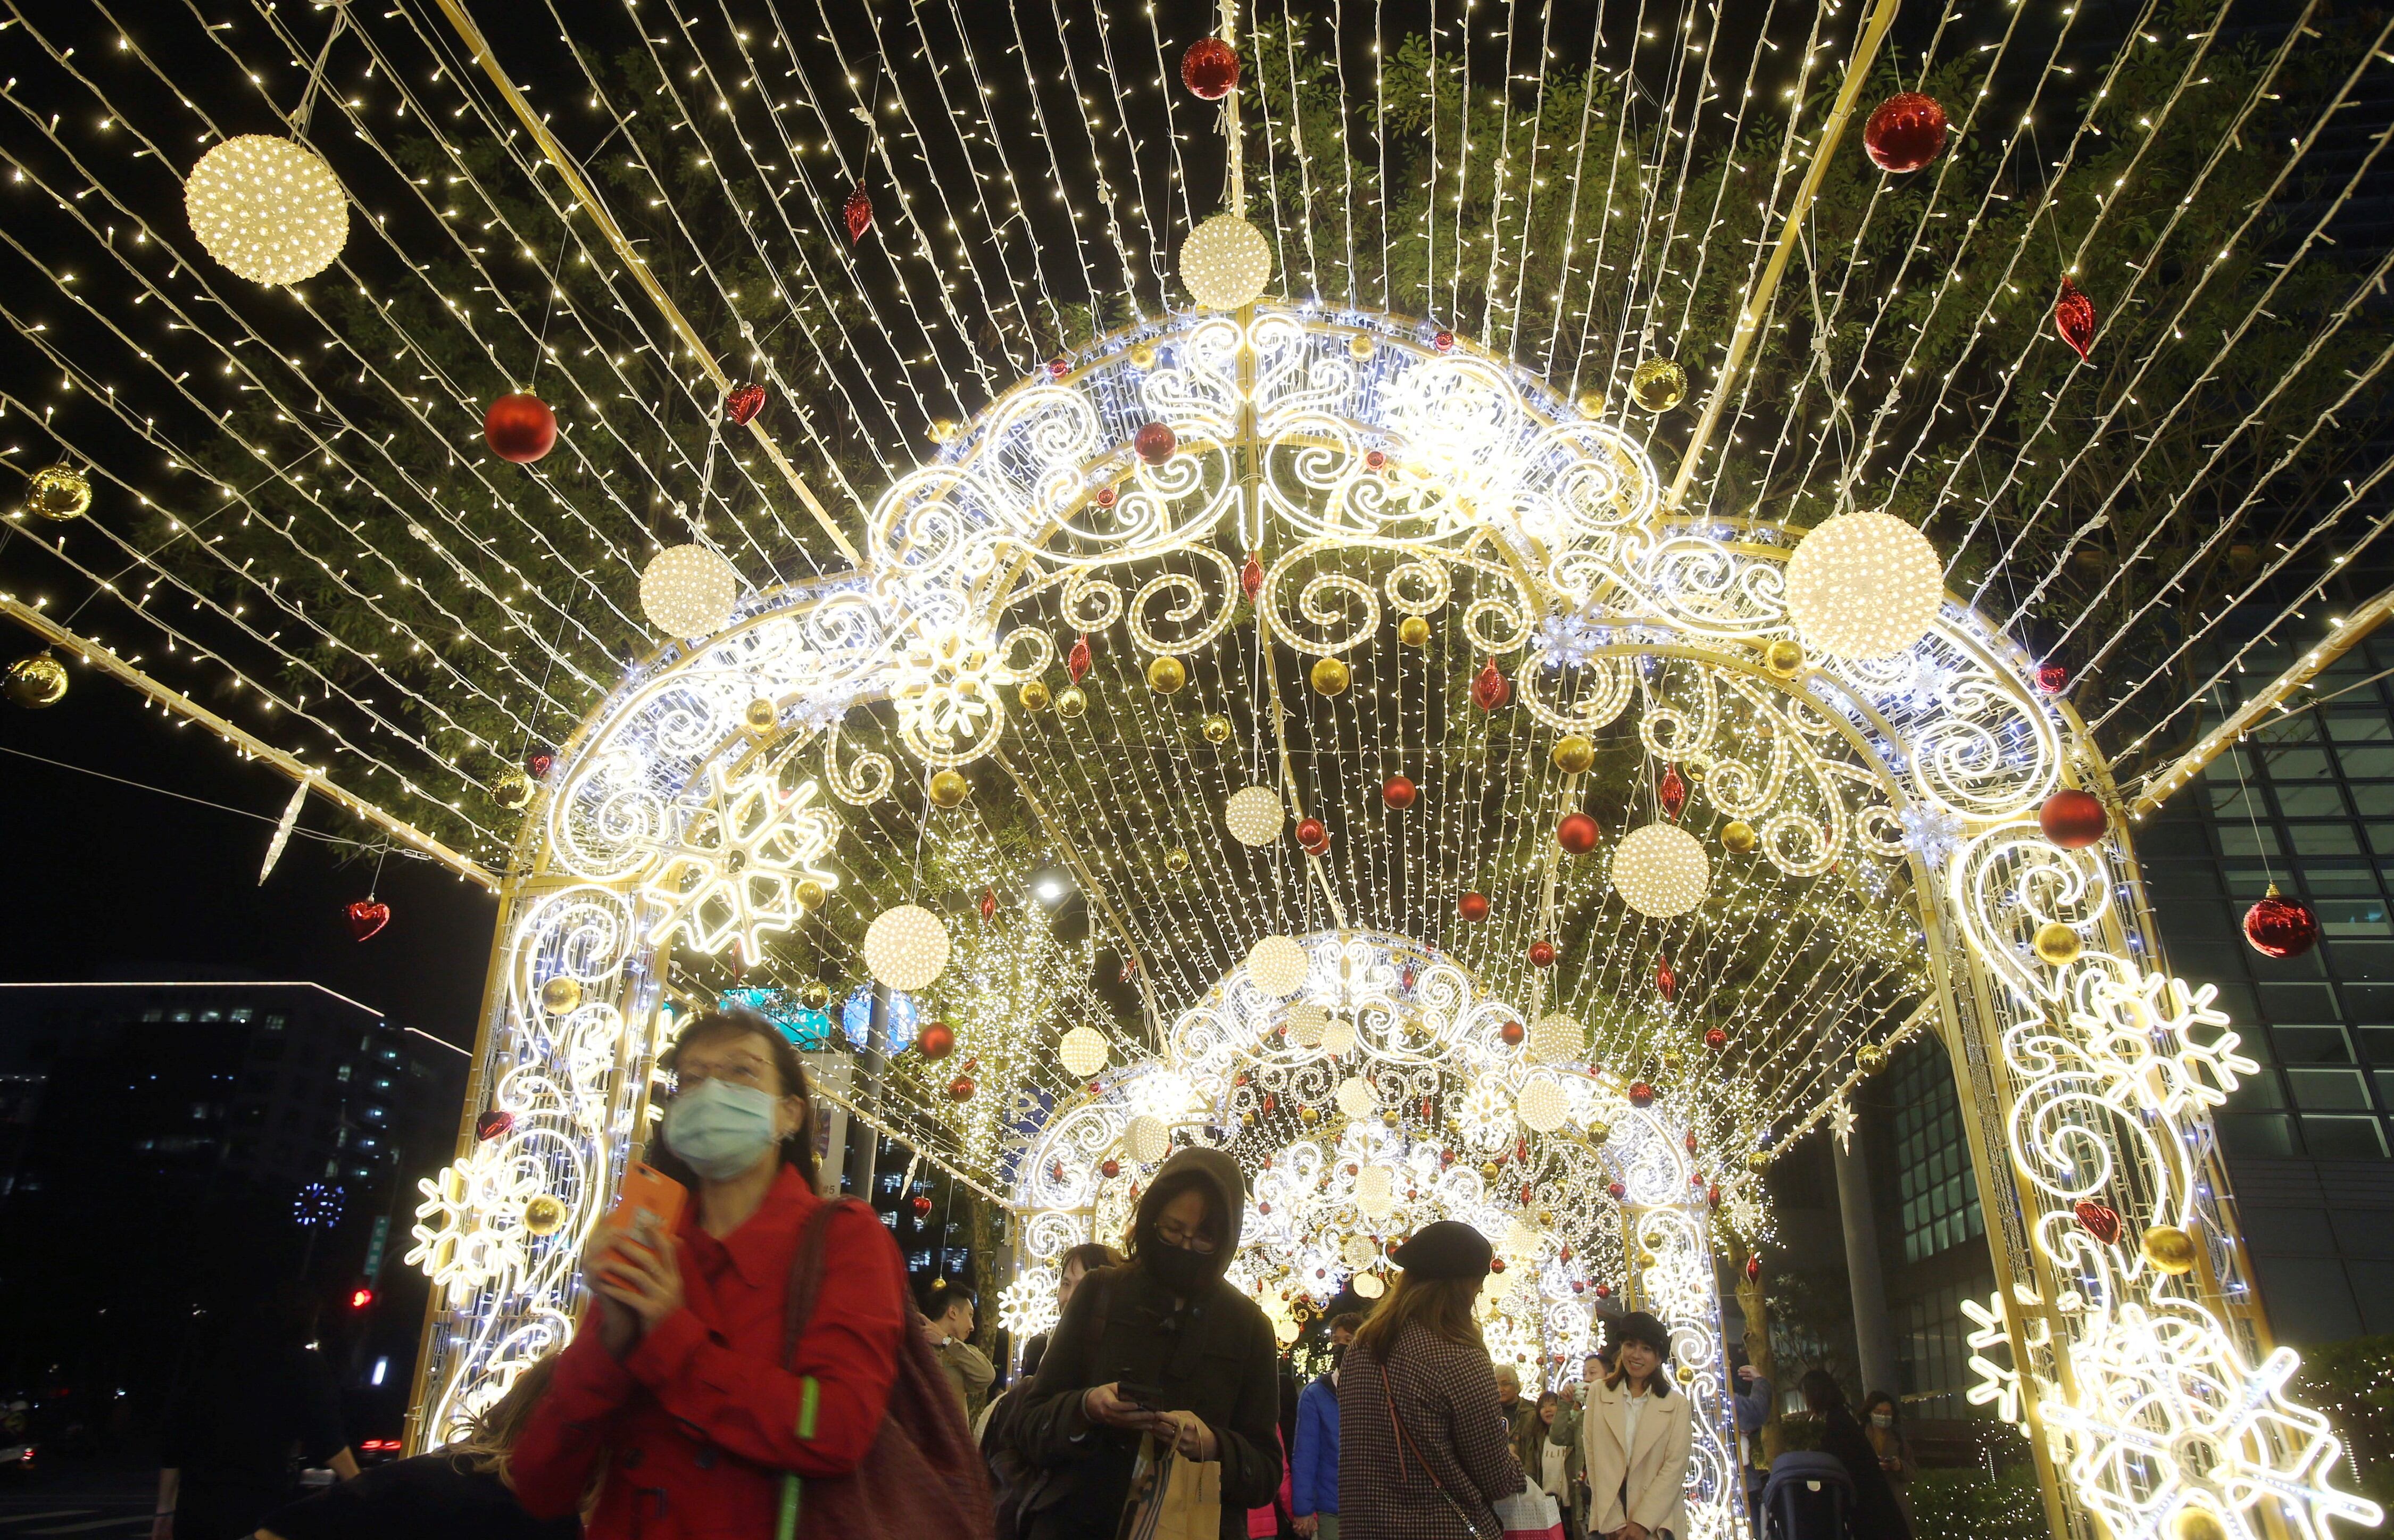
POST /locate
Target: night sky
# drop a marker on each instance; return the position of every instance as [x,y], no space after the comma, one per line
[117,883]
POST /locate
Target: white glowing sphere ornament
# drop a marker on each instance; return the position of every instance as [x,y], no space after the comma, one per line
[1306,1022]
[1083,1052]
[1555,1039]
[1367,1285]
[1541,1105]
[689,591]
[1147,1138]
[1373,1195]
[1254,815]
[906,947]
[1226,262]
[1356,1098]
[1278,965]
[1337,1037]
[1863,585]
[268,209]
[1660,871]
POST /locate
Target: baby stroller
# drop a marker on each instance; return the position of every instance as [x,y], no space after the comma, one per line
[1809,1497]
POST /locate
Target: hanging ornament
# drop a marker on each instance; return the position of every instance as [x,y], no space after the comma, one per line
[1658,385]
[961,1089]
[268,208]
[857,213]
[1277,965]
[814,995]
[1573,755]
[1329,677]
[1175,859]
[811,894]
[742,402]
[1076,661]
[1226,262]
[1666,984]
[1557,1039]
[1491,689]
[1660,871]
[1154,443]
[689,591]
[936,1040]
[2280,927]
[1166,675]
[1716,1039]
[1863,585]
[1443,340]
[988,902]
[922,1206]
[1906,132]
[538,760]
[1738,838]
[1414,631]
[1398,792]
[949,788]
[1254,815]
[58,492]
[2074,317]
[1210,68]
[1577,833]
[1312,835]
[1035,697]
[1642,1095]
[906,947]
[544,1214]
[2073,818]
[1072,703]
[1083,1051]
[1672,793]
[2056,944]
[1783,658]
[2051,679]
[1472,906]
[1216,728]
[2167,1248]
[37,680]
[942,430]
[560,994]
[1110,1169]
[761,716]
[493,1122]
[1871,1057]
[1542,953]
[2100,1220]
[1059,367]
[366,917]
[520,428]
[1251,578]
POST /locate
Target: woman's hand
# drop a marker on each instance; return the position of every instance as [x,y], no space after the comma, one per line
[644,1280]
[1100,1403]
[619,1329]
[1188,1434]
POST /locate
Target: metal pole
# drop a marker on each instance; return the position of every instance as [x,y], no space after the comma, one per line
[1874,1337]
[867,1149]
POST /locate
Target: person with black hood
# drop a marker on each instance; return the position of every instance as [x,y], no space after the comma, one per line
[1637,1436]
[1198,1356]
[1424,1449]
[1878,1515]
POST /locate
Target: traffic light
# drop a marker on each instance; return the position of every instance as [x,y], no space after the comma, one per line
[360,1298]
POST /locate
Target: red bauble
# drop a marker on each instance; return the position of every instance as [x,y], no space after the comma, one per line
[1443,341]
[960,1089]
[1579,1285]
[1472,906]
[1059,367]
[1542,953]
[1604,1291]
[1251,578]
[1577,832]
[1496,1264]
[1640,1094]
[1109,1169]
[1376,459]
[2102,1220]
[366,917]
[1106,497]
[742,404]
[2051,677]
[539,761]
[1753,1268]
[1155,442]
[1398,792]
[2074,317]
[2280,927]
[1617,1190]
[2073,818]
[1691,1143]
[496,1123]
[1312,834]
[1905,133]
[1672,793]
[1712,1197]
[936,1040]
[1076,661]
[1209,69]
[1491,688]
[1512,1032]
[922,1206]
[858,213]
[1716,1039]
[520,428]
[1666,984]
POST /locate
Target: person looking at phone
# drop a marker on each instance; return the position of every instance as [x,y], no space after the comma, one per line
[1159,1348]
[676,1378]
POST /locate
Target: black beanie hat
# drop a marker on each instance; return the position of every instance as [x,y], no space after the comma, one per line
[1448,1249]
[1638,1326]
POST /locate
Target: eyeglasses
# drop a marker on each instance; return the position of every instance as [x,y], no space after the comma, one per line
[737,1072]
[1172,1233]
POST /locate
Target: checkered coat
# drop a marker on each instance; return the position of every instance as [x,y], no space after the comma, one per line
[1445,1395]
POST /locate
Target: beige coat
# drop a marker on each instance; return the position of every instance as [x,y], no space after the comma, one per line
[1657,1469]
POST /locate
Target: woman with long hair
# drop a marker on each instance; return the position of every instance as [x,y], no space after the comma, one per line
[1878,1515]
[677,1380]
[1636,1434]
[1424,1449]
[1883,1426]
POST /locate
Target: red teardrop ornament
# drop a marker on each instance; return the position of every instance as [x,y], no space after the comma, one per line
[858,213]
[1209,69]
[493,1122]
[1905,133]
[1491,688]
[1673,792]
[1405,977]
[520,428]
[366,917]
[1398,792]
[743,402]
[1712,1197]
[1753,1268]
[988,902]
[2281,926]
[1251,577]
[1666,984]
[2072,819]
[2102,1220]
[2074,317]
[1076,661]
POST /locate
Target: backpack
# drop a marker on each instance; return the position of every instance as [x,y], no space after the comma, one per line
[1023,1490]
[923,1478]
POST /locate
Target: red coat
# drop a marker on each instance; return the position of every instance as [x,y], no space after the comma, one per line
[699,1421]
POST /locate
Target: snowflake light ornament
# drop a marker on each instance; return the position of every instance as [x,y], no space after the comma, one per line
[1566,641]
[1930,832]
[471,1226]
[945,687]
[1027,1306]
[737,870]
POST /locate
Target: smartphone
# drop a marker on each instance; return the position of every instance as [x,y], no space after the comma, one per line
[647,1211]
[1147,1398]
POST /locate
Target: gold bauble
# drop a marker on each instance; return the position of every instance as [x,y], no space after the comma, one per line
[1599,1130]
[1309,1116]
[511,789]
[36,680]
[2057,943]
[1389,1119]
[943,430]
[1069,703]
[1166,675]
[1658,385]
[761,716]
[1360,347]
[1330,677]
[58,491]
[1034,697]
[1670,1058]
[544,1215]
[561,996]
[2168,1249]
[1738,838]
[949,788]
[2196,1523]
[1871,1057]
[1757,1160]
[1488,1171]
[814,995]
[810,894]
[1573,755]
[1784,658]
[1414,631]
[1216,728]
[1686,1372]
[1142,355]
[1175,859]
[1590,404]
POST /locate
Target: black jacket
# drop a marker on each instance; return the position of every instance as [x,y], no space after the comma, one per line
[430,1496]
[1213,1355]
[1878,1515]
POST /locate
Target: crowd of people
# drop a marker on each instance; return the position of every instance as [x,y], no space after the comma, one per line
[763,1369]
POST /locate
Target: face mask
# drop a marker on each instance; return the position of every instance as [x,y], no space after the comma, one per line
[1182,1272]
[721,1129]
[1882,1419]
[1337,1354]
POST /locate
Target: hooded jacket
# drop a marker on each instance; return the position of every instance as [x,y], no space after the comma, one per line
[1211,1354]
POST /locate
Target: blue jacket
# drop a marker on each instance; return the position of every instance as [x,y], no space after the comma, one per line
[1313,1474]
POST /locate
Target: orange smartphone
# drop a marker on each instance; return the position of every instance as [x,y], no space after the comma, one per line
[649,1209]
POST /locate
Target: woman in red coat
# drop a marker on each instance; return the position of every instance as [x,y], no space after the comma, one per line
[675,1379]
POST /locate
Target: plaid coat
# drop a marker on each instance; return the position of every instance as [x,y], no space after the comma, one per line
[1445,1396]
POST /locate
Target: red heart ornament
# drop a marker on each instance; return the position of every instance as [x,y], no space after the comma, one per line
[2074,317]
[366,917]
[2102,1220]
[743,402]
[496,1122]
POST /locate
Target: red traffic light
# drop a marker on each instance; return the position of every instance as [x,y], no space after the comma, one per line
[360,1298]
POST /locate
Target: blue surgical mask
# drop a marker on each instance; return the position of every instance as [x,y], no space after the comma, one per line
[721,1129]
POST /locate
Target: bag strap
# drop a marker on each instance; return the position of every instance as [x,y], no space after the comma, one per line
[805,1275]
[1390,1396]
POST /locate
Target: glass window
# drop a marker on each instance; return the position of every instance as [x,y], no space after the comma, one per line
[2328,1090]
[2259,1093]
[2310,764]
[2310,802]
[2381,840]
[2337,839]
[2344,1139]
[2310,1044]
[2373,762]
[2256,1134]
[2244,840]
[2339,879]
[2385,1079]
[2297,1002]
[2235,801]
[2359,726]
[2378,1043]
[2363,959]
[2353,918]
[2373,798]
